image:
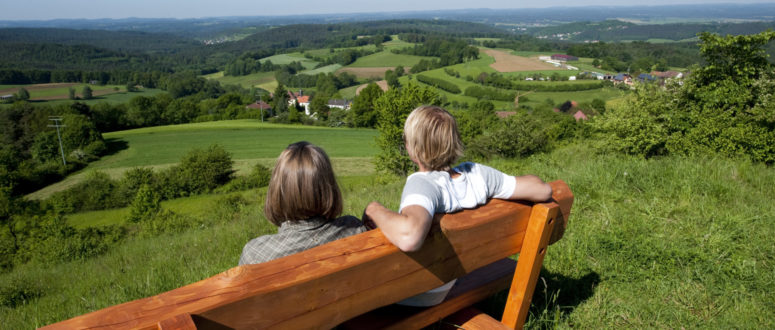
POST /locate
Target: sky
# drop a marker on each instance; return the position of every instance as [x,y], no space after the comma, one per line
[53,9]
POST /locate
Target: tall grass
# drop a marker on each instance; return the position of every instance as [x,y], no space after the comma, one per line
[660,243]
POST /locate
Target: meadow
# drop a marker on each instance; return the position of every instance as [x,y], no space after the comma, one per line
[661,243]
[108,94]
[249,141]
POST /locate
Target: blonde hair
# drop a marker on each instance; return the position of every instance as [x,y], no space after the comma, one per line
[432,138]
[302,186]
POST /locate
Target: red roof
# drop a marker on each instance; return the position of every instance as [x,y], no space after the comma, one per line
[303,99]
[260,105]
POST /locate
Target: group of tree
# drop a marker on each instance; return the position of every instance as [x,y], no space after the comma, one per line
[726,107]
[450,51]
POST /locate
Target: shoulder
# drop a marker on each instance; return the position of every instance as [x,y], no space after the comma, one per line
[258,250]
[350,224]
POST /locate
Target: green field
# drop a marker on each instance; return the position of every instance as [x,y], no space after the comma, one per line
[387,59]
[113,98]
[325,69]
[291,57]
[246,81]
[249,142]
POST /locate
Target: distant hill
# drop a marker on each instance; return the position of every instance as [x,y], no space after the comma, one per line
[121,41]
[615,30]
[508,19]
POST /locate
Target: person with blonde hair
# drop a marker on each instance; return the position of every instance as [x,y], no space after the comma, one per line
[304,201]
[433,143]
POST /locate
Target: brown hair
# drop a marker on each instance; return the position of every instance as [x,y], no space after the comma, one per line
[432,138]
[302,186]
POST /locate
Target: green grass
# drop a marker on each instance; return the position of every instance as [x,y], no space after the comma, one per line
[387,59]
[326,69]
[248,141]
[114,98]
[663,243]
[246,81]
[291,57]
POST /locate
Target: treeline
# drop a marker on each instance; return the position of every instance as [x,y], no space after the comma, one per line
[449,51]
[637,56]
[23,77]
[119,41]
[439,83]
[324,83]
[614,30]
[500,81]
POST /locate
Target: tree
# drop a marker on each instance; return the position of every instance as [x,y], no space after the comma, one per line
[71,93]
[131,86]
[362,113]
[280,100]
[392,109]
[392,79]
[319,106]
[23,94]
[146,204]
[726,108]
[86,93]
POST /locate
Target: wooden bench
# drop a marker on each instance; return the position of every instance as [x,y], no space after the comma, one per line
[353,282]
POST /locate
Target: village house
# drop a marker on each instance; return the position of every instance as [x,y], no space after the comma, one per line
[341,104]
[564,58]
[645,77]
[300,99]
[259,105]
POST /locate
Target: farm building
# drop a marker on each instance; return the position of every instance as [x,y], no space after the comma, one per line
[564,58]
[259,105]
[667,74]
[645,77]
[6,97]
[337,103]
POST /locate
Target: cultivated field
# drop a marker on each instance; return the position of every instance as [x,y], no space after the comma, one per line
[245,81]
[505,62]
[382,85]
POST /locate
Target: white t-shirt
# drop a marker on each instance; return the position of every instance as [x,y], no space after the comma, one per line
[437,192]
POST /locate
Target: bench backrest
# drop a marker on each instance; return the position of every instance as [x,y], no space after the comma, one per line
[327,285]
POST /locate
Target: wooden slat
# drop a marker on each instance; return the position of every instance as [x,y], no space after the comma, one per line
[468,290]
[330,284]
[471,318]
[529,265]
[182,321]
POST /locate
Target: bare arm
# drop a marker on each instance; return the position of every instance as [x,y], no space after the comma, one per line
[531,188]
[406,230]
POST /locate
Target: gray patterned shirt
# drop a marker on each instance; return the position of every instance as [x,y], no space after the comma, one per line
[296,236]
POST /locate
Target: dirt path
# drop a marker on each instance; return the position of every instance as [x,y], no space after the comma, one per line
[505,62]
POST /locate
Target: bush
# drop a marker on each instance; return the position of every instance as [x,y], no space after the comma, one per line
[518,135]
[96,192]
[258,177]
[203,170]
[489,94]
[145,205]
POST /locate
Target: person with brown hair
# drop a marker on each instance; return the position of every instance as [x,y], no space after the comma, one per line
[303,200]
[433,143]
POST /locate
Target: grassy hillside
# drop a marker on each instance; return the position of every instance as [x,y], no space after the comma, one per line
[387,58]
[249,141]
[660,243]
